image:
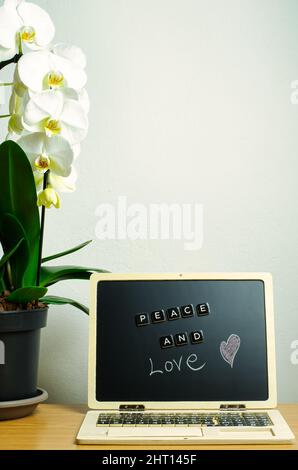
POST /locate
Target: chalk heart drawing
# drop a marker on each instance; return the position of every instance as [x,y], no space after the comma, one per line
[229,348]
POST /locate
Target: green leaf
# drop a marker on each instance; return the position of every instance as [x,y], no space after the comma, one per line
[52,274]
[2,284]
[11,232]
[27,294]
[67,252]
[55,300]
[5,258]
[8,255]
[18,199]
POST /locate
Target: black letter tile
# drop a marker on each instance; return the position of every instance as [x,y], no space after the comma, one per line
[142,319]
[173,313]
[203,309]
[166,342]
[181,339]
[196,337]
[187,311]
[158,316]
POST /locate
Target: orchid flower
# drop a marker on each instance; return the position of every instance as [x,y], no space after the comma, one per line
[55,114]
[23,22]
[63,66]
[44,153]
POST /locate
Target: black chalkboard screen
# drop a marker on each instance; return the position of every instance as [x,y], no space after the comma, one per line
[208,341]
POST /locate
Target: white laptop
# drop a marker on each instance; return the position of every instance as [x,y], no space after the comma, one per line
[182,359]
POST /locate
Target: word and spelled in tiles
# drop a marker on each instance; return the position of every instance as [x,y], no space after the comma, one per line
[181,339]
[173,313]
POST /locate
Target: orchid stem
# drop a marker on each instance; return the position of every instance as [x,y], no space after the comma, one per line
[20,45]
[7,84]
[42,225]
[14,60]
[3,116]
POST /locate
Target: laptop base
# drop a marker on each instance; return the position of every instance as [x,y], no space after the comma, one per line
[277,433]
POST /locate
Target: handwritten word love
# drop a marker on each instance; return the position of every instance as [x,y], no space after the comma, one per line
[177,365]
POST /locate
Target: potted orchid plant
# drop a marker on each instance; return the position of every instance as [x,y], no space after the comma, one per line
[47,120]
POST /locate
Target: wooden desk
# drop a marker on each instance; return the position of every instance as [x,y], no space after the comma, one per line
[54,427]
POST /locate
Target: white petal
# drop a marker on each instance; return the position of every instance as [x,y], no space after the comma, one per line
[64,185]
[12,136]
[18,101]
[6,54]
[76,150]
[61,155]
[10,23]
[73,53]
[32,145]
[70,93]
[84,100]
[48,104]
[19,88]
[75,76]
[34,16]
[38,178]
[33,68]
[74,122]
[15,104]
[32,127]
[32,47]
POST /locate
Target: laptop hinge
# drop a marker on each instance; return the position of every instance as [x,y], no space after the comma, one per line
[233,406]
[129,408]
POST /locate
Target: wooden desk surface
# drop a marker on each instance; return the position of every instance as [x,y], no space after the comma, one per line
[54,427]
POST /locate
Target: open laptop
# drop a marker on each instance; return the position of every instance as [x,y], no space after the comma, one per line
[182,359]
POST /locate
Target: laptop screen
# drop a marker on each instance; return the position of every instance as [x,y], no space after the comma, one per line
[181,340]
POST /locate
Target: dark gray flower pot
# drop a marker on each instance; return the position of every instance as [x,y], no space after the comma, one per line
[19,353]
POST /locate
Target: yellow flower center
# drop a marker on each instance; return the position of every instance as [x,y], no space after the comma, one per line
[55,79]
[52,127]
[42,163]
[28,34]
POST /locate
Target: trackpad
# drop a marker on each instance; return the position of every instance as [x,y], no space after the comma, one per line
[131,432]
[240,433]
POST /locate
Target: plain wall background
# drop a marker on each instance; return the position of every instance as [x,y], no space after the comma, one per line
[190,102]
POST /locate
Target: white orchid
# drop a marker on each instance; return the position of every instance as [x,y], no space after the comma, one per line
[44,153]
[55,156]
[63,66]
[55,113]
[48,109]
[23,22]
[50,196]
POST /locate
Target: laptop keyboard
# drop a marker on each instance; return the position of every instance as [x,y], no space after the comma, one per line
[184,419]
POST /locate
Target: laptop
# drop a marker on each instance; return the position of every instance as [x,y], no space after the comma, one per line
[182,359]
